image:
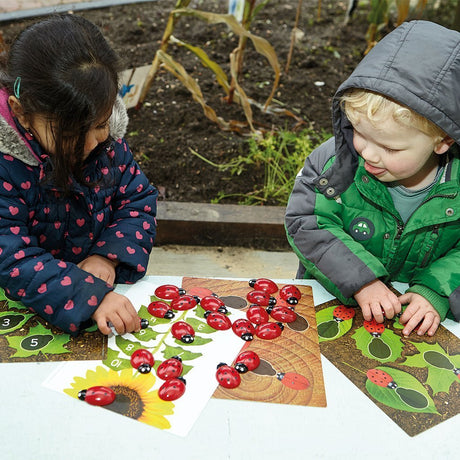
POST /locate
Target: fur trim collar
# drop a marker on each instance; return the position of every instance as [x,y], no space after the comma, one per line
[12,143]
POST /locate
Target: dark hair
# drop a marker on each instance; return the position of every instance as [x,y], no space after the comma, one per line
[68,73]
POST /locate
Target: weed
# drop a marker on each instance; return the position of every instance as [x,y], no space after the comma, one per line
[281,154]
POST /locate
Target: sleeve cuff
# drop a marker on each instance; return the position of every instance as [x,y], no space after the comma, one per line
[439,302]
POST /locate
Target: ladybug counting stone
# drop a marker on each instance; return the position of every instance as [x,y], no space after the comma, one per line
[97,396]
[290,294]
[218,320]
[227,376]
[264,284]
[169,369]
[213,303]
[183,331]
[244,329]
[142,360]
[160,309]
[184,302]
[172,389]
[257,314]
[282,313]
[260,298]
[269,331]
[247,361]
[168,291]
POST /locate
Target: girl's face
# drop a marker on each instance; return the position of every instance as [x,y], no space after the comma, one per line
[42,131]
[396,153]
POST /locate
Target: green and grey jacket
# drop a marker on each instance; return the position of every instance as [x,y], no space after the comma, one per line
[341,221]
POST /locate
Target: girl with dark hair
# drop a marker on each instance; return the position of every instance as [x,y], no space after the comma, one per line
[76,213]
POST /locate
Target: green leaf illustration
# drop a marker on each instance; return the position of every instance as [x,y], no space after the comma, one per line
[10,321]
[328,327]
[128,347]
[409,394]
[197,341]
[185,355]
[386,348]
[441,366]
[38,340]
[200,326]
[145,335]
[114,361]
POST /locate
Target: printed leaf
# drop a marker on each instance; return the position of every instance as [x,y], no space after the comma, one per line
[197,341]
[185,355]
[10,321]
[200,326]
[409,393]
[328,328]
[114,361]
[128,347]
[386,348]
[38,340]
[145,335]
[441,366]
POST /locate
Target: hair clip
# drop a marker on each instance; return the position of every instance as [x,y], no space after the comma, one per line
[17,87]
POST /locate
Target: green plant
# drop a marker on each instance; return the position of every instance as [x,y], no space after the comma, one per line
[281,154]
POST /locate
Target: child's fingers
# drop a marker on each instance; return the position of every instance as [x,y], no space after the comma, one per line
[434,326]
[103,326]
[366,309]
[376,309]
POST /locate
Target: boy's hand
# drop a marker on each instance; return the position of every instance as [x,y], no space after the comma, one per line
[375,297]
[118,310]
[418,309]
[100,267]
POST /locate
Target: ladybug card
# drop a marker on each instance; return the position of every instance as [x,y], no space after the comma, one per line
[289,370]
[165,374]
[414,380]
[26,337]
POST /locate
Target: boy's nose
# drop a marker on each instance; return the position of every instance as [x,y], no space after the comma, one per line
[370,154]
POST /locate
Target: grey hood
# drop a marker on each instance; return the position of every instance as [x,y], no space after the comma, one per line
[418,65]
[12,143]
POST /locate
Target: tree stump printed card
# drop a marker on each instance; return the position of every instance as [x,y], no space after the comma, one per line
[26,337]
[414,380]
[290,371]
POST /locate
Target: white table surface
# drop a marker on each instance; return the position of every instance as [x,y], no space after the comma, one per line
[37,423]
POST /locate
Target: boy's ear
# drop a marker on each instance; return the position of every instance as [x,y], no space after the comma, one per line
[443,146]
[18,111]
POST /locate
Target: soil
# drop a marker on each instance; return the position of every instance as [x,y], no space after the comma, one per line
[170,123]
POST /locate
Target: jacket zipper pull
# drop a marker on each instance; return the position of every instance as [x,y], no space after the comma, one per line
[399,231]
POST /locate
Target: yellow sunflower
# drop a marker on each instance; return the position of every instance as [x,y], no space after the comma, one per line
[133,396]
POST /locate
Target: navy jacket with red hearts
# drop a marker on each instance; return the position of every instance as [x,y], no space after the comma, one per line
[44,234]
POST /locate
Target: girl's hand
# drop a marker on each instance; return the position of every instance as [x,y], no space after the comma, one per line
[101,267]
[375,299]
[418,310]
[118,310]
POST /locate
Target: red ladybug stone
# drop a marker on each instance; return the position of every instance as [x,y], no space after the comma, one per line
[142,360]
[257,314]
[374,328]
[260,298]
[283,314]
[227,376]
[218,320]
[269,331]
[213,303]
[247,361]
[169,369]
[184,302]
[160,309]
[183,331]
[244,329]
[97,396]
[172,389]
[264,284]
[290,294]
[343,313]
[168,291]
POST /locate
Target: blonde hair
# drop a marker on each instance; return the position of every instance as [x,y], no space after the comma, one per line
[376,107]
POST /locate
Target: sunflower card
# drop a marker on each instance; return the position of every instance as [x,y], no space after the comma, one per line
[137,393]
